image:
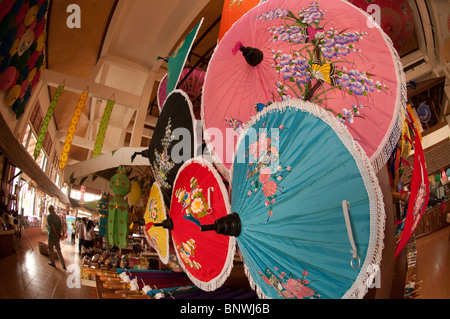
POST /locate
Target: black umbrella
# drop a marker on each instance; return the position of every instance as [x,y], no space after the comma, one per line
[173,141]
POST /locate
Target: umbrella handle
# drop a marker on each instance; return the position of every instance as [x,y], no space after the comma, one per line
[229,225]
[209,198]
[355,262]
[167,224]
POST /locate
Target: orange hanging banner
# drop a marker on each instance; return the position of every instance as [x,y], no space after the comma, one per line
[71,130]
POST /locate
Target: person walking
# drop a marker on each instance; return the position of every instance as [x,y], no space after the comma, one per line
[54,236]
[89,235]
[81,227]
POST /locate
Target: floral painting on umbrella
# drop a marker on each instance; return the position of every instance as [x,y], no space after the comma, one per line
[327,52]
[310,71]
[163,163]
[193,201]
[287,285]
[265,171]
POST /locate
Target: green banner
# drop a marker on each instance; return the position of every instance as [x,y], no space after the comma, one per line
[47,118]
[102,128]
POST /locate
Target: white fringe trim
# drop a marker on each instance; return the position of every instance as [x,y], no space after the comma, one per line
[219,280]
[377,212]
[389,142]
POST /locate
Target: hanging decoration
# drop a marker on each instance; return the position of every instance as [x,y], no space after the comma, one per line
[103,127]
[71,130]
[47,118]
[22,40]
[418,195]
[135,193]
[102,209]
[118,209]
[400,156]
[414,120]
[424,113]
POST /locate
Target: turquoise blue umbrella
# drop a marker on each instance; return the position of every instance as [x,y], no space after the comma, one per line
[308,213]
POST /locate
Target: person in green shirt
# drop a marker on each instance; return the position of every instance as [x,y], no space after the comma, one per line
[54,236]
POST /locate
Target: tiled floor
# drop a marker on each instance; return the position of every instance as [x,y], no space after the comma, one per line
[27,275]
[433,264]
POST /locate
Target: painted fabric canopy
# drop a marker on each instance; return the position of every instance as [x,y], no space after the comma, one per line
[173,141]
[309,204]
[395,18]
[155,212]
[193,80]
[177,60]
[323,51]
[199,197]
[232,11]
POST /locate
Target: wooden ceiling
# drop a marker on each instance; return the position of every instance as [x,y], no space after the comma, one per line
[117,45]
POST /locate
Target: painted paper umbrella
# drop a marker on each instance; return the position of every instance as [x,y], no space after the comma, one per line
[191,82]
[419,193]
[395,18]
[177,61]
[173,141]
[307,210]
[155,212]
[321,51]
[232,11]
[200,197]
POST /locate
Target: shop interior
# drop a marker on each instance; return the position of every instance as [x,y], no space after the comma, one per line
[88,57]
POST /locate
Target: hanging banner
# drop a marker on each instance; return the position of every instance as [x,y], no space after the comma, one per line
[103,127]
[102,209]
[47,118]
[71,130]
[413,119]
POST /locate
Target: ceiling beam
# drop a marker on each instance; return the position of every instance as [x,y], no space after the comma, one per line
[100,91]
[84,142]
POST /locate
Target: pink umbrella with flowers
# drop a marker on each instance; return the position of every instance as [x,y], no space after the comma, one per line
[326,52]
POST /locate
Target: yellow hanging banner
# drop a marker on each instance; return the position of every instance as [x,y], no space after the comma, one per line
[413,118]
[71,130]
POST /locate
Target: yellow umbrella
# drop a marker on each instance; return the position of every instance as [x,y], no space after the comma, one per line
[135,193]
[155,213]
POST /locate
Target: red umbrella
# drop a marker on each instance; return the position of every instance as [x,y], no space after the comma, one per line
[199,197]
[396,18]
